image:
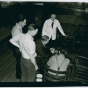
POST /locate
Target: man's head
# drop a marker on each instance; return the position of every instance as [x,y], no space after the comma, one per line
[53,15]
[58,51]
[32,29]
[61,51]
[21,20]
[45,39]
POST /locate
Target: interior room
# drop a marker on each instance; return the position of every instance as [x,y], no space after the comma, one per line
[73,18]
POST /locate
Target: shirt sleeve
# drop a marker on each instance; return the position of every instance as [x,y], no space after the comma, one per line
[32,48]
[60,28]
[15,40]
[44,29]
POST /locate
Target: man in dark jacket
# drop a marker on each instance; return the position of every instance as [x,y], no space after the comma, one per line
[43,52]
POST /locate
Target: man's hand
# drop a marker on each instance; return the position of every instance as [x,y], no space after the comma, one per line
[52,50]
[65,35]
[33,61]
[36,68]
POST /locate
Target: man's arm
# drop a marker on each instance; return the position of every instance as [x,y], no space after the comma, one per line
[44,29]
[14,43]
[31,51]
[34,61]
[14,40]
[60,28]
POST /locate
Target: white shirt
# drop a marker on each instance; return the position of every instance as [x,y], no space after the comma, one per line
[17,29]
[25,43]
[49,31]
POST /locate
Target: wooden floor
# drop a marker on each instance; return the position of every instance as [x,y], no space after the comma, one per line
[7,64]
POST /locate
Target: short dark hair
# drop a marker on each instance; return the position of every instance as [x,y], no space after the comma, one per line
[32,27]
[21,17]
[44,38]
[62,51]
[52,12]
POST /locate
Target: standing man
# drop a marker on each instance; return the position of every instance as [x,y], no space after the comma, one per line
[16,30]
[27,48]
[50,26]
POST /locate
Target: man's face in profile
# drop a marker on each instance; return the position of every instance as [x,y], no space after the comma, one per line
[53,17]
[34,32]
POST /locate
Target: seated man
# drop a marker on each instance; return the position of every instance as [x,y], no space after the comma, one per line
[43,52]
[41,45]
[58,62]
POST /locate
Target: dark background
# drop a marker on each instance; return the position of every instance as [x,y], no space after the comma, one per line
[70,14]
[73,17]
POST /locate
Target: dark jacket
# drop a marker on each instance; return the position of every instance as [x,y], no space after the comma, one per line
[43,51]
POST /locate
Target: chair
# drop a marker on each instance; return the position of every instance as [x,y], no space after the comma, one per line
[55,78]
[71,54]
[71,71]
[81,71]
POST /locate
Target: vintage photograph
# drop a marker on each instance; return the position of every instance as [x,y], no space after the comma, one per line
[43,42]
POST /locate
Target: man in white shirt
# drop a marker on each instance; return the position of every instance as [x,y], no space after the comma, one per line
[27,48]
[50,26]
[16,30]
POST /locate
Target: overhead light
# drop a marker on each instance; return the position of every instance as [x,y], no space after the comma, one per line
[12,3]
[38,3]
[86,10]
[5,4]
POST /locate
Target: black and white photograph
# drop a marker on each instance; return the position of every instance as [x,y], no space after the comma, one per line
[43,42]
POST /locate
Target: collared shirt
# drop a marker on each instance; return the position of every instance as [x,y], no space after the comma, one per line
[49,31]
[26,44]
[17,29]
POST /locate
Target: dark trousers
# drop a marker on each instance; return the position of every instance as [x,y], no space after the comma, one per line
[28,72]
[41,62]
[17,55]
